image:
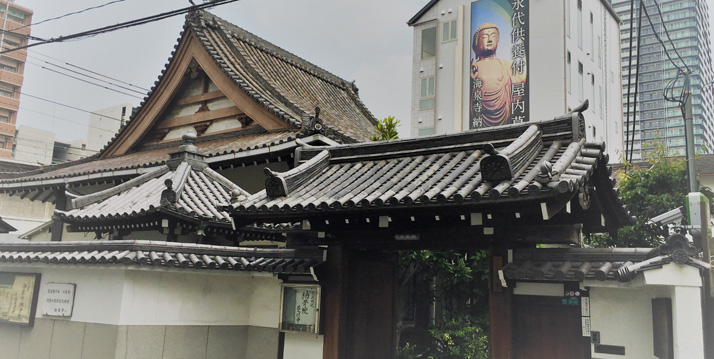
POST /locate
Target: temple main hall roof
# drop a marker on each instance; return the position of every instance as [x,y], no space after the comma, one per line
[281,92]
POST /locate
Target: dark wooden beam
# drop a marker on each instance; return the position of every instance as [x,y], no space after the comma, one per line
[334,285]
[199,98]
[61,204]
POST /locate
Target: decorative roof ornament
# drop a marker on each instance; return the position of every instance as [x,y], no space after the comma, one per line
[313,125]
[675,249]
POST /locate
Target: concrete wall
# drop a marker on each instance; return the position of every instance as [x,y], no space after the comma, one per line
[34,145]
[157,313]
[549,45]
[622,312]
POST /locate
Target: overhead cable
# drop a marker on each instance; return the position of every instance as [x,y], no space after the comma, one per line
[87,70]
[124,25]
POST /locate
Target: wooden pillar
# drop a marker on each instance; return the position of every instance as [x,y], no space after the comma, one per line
[61,204]
[500,311]
[334,286]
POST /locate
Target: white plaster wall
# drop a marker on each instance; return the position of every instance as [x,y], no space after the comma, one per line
[187,297]
[623,317]
[303,346]
[622,312]
[264,306]
[98,295]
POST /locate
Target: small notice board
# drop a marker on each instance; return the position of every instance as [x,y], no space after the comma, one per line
[18,297]
[58,300]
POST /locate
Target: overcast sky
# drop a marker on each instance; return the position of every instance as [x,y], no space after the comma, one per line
[363,40]
[366,40]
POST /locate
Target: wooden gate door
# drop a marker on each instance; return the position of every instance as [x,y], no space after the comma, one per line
[544,328]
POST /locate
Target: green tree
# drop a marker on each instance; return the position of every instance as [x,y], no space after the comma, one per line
[648,191]
[386,129]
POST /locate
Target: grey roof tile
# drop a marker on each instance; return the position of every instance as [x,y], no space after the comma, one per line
[162,254]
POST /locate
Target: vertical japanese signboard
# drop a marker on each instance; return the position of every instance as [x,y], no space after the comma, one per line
[18,297]
[300,308]
[499,66]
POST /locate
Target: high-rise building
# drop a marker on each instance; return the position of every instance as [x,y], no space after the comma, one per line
[686,23]
[15,21]
[552,55]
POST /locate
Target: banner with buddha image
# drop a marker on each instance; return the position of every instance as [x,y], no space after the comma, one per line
[499,66]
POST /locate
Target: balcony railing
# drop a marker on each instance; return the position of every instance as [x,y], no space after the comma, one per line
[9,103]
[17,27]
[20,55]
[7,129]
[11,77]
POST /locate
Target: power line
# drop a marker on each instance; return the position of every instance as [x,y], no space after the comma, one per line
[71,13]
[86,70]
[88,76]
[64,119]
[72,107]
[87,81]
[124,25]
[666,51]
[661,18]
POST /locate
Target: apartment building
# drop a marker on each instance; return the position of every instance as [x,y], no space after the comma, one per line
[15,20]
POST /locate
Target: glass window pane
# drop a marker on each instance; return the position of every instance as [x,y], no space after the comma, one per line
[431,86]
[423,87]
[453,30]
[445,32]
[428,43]
[426,131]
[426,104]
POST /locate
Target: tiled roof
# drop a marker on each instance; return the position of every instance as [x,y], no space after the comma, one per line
[284,83]
[185,186]
[162,254]
[210,147]
[579,264]
[534,162]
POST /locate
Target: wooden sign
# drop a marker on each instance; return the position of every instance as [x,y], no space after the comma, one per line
[18,297]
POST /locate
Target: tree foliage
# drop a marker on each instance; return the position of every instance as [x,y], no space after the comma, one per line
[648,191]
[386,129]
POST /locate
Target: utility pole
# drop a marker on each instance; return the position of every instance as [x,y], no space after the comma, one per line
[689,134]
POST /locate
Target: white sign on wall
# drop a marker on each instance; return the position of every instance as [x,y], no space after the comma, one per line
[58,300]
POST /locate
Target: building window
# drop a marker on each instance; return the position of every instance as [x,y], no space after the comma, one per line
[426,131]
[580,23]
[592,35]
[4,119]
[599,52]
[567,18]
[580,81]
[448,31]
[592,90]
[7,68]
[428,43]
[567,74]
[11,43]
[426,100]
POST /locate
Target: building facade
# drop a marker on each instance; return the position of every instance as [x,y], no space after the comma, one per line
[15,21]
[686,23]
[572,54]
[104,124]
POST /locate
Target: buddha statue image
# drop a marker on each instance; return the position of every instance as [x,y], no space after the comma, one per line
[492,80]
